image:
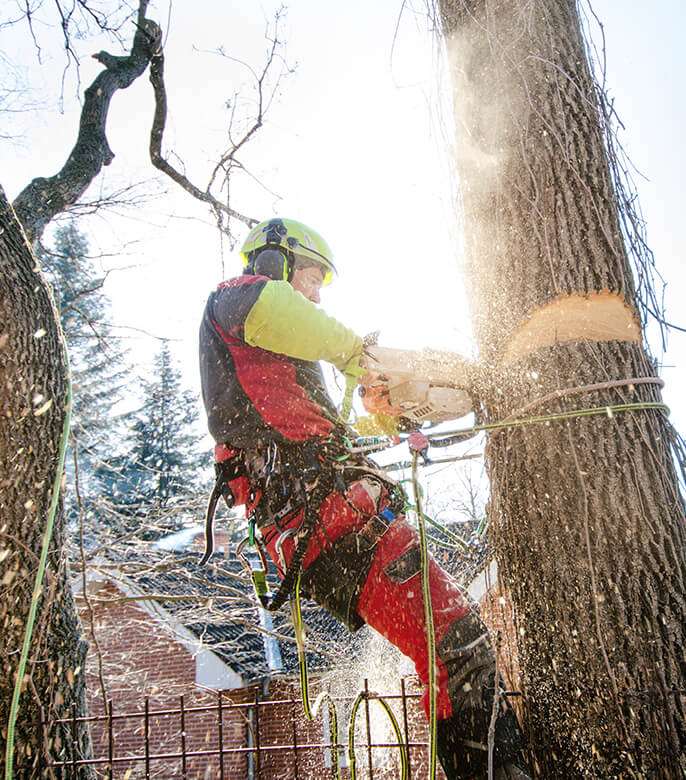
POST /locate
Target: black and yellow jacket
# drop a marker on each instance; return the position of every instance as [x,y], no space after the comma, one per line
[260,343]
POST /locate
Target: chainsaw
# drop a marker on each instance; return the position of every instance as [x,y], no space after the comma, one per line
[417,386]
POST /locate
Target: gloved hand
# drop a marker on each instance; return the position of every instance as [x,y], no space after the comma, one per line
[352,373]
[417,442]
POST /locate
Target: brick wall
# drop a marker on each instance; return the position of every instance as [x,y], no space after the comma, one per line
[142,658]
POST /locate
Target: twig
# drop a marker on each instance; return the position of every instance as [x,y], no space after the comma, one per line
[156,135]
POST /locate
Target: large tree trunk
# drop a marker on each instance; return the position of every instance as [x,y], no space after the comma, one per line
[33,372]
[586,514]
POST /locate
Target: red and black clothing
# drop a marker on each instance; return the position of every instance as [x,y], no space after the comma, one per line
[251,393]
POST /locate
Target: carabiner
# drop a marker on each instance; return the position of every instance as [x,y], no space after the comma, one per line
[257,575]
[278,547]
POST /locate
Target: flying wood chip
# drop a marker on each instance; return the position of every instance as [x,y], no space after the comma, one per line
[43,409]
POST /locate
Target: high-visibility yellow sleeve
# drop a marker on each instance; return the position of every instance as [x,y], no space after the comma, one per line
[283,320]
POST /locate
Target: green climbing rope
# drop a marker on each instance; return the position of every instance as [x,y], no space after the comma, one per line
[38,583]
[428,616]
[312,712]
[404,763]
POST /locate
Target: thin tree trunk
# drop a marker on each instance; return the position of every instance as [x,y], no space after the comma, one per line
[32,373]
[586,514]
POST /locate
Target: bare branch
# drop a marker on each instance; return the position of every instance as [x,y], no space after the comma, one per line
[43,198]
[156,156]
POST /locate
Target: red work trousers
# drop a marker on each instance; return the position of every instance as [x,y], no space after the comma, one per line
[389,601]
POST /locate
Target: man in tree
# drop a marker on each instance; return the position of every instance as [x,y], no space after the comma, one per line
[282,450]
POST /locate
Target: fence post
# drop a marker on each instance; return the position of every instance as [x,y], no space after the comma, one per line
[295,734]
[184,768]
[257,732]
[369,729]
[146,737]
[110,741]
[220,733]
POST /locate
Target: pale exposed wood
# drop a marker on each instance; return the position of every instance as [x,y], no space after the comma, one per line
[602,316]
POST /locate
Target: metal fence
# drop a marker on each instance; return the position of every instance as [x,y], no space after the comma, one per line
[262,738]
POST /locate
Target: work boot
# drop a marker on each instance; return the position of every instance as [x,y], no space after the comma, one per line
[462,739]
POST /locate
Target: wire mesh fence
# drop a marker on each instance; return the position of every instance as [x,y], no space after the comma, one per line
[259,738]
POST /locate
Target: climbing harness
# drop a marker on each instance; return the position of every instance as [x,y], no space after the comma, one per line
[311,513]
[220,489]
[228,467]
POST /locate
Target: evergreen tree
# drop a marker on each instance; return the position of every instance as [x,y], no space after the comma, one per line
[163,466]
[97,363]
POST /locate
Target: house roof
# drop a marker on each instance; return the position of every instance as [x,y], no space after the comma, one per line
[222,612]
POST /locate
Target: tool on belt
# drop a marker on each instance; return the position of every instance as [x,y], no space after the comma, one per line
[277,483]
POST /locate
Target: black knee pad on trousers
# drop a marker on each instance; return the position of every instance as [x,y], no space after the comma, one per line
[336,578]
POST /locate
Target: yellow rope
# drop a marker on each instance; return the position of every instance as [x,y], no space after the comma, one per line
[404,763]
[311,712]
[40,574]
[428,616]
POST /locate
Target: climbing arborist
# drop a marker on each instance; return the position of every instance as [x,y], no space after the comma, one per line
[333,516]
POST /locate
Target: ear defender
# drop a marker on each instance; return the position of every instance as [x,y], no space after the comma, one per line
[273,263]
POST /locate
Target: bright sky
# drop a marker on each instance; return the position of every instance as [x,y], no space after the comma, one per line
[355,145]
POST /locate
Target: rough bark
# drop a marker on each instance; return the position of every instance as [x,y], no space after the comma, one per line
[32,372]
[587,517]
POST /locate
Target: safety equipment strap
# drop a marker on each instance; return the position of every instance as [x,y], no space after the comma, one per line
[313,500]
[220,489]
[226,470]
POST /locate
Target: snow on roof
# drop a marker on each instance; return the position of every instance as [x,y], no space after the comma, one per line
[180,540]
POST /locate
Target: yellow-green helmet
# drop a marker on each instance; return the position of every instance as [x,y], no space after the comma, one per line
[296,240]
